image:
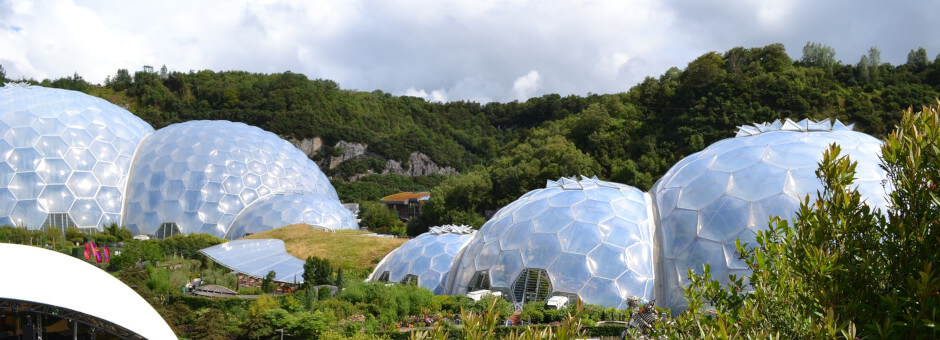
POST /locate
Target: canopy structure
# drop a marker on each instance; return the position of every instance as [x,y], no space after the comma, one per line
[257,258]
[34,281]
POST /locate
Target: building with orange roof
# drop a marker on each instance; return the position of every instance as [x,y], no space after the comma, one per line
[406,204]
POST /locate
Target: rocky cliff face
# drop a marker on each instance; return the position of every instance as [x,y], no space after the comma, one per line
[350,151]
[419,164]
[309,146]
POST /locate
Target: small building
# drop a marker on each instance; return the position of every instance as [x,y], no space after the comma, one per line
[406,204]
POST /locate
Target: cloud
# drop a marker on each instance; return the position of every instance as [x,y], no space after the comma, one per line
[439,96]
[526,86]
[465,50]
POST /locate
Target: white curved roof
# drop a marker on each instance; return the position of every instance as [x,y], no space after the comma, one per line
[257,258]
[38,278]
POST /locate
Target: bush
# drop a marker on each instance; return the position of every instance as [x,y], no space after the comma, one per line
[388,303]
[267,283]
[531,316]
[377,218]
[324,294]
[250,291]
[605,330]
[503,309]
[317,271]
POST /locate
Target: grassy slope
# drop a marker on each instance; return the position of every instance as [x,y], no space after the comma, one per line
[357,255]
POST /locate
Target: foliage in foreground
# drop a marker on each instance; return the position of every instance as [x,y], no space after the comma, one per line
[841,270]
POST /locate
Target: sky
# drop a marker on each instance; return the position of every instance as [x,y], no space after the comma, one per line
[441,50]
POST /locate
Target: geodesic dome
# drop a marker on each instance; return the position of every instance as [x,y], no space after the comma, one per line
[64,157]
[195,177]
[730,189]
[586,238]
[281,210]
[425,259]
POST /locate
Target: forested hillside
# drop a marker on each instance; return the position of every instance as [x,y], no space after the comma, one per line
[506,149]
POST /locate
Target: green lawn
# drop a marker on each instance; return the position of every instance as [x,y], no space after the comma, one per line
[347,249]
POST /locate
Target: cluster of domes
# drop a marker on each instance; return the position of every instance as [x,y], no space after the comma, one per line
[67,159]
[607,243]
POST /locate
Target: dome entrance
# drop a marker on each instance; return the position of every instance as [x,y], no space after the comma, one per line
[531,285]
[480,281]
[167,230]
[410,279]
[59,221]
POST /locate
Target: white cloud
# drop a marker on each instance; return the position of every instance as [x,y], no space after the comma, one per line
[526,86]
[439,96]
[466,50]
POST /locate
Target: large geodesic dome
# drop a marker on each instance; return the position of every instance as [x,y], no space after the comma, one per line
[587,238]
[426,259]
[65,157]
[197,176]
[730,189]
[276,211]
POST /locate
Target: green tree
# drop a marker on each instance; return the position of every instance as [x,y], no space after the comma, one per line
[120,233]
[317,271]
[121,81]
[917,60]
[864,70]
[874,62]
[458,200]
[267,283]
[379,219]
[528,165]
[339,278]
[209,324]
[819,55]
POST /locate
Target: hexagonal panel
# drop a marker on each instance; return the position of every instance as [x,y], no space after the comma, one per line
[56,198]
[83,184]
[26,185]
[704,190]
[758,181]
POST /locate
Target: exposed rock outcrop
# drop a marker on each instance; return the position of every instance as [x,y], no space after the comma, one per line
[310,146]
[419,165]
[350,151]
